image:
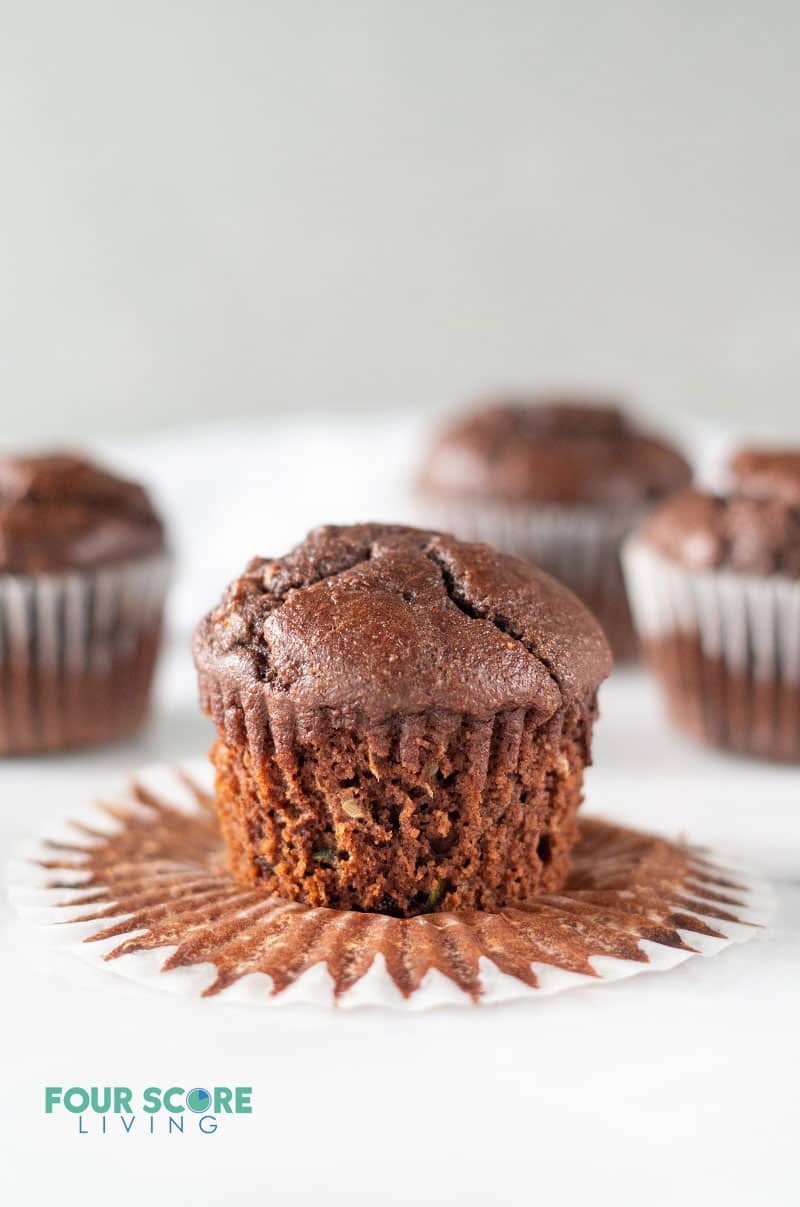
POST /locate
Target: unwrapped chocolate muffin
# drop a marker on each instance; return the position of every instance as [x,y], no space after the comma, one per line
[83,576]
[715,586]
[403,720]
[560,481]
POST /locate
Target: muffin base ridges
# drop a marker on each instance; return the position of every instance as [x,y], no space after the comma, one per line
[77,654]
[428,812]
[724,706]
[725,648]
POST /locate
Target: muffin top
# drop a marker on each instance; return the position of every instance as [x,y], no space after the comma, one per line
[60,512]
[383,619]
[753,530]
[767,473]
[554,450]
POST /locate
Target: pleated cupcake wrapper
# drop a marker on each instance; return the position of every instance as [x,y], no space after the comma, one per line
[62,637]
[577,544]
[751,623]
[747,625]
[137,886]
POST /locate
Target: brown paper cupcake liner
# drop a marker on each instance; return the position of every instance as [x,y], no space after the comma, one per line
[141,888]
[67,643]
[725,648]
[579,545]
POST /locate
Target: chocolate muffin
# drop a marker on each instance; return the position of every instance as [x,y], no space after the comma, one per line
[83,575]
[403,721]
[560,481]
[715,584]
[765,473]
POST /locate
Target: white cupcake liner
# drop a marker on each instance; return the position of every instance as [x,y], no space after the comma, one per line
[751,623]
[140,889]
[63,638]
[579,544]
[746,626]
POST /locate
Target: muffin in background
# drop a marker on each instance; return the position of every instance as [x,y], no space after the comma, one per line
[403,719]
[559,481]
[767,473]
[83,577]
[715,587]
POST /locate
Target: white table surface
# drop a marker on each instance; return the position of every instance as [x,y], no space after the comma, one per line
[673,1087]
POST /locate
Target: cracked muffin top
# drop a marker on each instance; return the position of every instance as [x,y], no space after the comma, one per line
[61,512]
[557,450]
[753,530]
[384,619]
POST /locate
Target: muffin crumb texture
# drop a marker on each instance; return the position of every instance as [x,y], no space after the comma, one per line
[403,722]
[407,817]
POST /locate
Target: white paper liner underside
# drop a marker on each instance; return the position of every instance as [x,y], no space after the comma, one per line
[749,622]
[42,909]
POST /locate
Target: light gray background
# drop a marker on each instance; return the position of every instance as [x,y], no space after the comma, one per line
[222,209]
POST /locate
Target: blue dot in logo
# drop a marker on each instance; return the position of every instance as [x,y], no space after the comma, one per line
[198,1100]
